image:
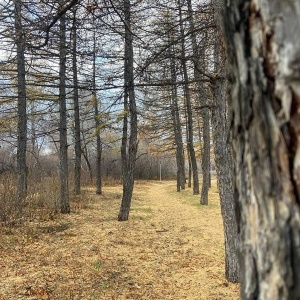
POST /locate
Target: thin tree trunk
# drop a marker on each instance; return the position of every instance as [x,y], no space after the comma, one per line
[64,193]
[204,110]
[188,149]
[97,123]
[205,156]
[22,114]
[190,143]
[176,122]
[77,167]
[86,158]
[131,150]
[263,53]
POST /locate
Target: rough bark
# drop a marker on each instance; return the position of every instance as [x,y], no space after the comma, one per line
[264,59]
[63,155]
[22,114]
[128,152]
[223,154]
[223,157]
[77,166]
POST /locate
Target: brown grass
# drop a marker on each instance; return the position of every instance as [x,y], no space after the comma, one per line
[171,248]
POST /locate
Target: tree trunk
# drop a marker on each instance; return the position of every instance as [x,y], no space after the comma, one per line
[204,111]
[97,123]
[22,114]
[223,157]
[77,167]
[64,192]
[128,151]
[176,117]
[188,101]
[188,150]
[264,55]
[205,156]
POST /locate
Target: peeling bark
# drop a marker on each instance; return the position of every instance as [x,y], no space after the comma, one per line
[264,68]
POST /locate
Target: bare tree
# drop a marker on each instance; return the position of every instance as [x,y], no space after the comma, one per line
[64,195]
[77,166]
[129,146]
[22,114]
[189,112]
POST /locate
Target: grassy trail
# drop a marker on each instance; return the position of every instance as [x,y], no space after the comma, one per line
[171,248]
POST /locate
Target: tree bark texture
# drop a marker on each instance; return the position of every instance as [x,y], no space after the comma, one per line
[77,167]
[64,192]
[129,146]
[22,114]
[223,154]
[264,66]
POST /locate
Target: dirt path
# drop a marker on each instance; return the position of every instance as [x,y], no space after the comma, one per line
[170,249]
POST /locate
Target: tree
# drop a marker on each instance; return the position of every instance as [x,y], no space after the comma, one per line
[63,154]
[223,154]
[129,146]
[77,139]
[174,107]
[189,112]
[97,124]
[264,90]
[22,113]
[197,58]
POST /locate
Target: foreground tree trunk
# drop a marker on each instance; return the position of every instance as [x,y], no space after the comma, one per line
[264,65]
[64,189]
[128,150]
[22,115]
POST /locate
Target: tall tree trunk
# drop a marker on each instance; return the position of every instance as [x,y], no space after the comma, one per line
[264,54]
[223,156]
[180,163]
[188,101]
[64,192]
[77,167]
[204,110]
[128,151]
[22,114]
[97,123]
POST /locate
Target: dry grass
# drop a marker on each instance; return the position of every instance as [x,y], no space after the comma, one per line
[171,248]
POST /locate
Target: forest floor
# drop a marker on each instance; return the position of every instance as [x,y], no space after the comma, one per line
[171,248]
